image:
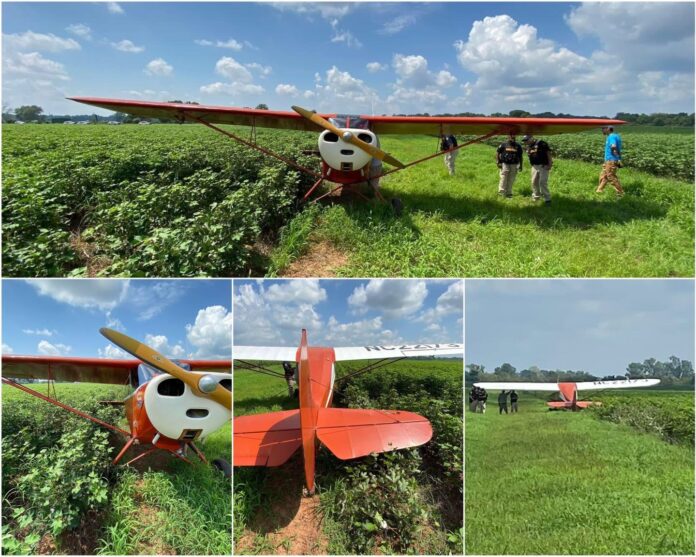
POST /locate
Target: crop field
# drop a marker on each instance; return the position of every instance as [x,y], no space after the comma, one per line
[62,496]
[618,479]
[407,501]
[183,201]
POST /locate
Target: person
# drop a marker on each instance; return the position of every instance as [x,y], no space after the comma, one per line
[541,162]
[508,156]
[513,401]
[612,161]
[502,402]
[449,142]
[472,399]
[290,370]
[483,400]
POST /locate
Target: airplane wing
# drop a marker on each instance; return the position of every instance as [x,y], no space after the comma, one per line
[381,125]
[86,370]
[265,353]
[625,384]
[402,351]
[268,439]
[352,433]
[517,386]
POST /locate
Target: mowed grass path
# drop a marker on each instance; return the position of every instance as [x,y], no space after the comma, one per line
[458,226]
[543,482]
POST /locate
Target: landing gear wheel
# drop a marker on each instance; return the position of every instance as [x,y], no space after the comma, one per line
[307,493]
[398,206]
[224,467]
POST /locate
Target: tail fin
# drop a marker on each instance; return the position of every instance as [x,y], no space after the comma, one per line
[266,439]
[352,433]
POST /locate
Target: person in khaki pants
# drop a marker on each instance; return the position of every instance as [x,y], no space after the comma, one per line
[612,161]
[541,162]
[508,156]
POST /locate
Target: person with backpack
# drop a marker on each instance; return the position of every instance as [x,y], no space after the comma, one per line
[289,371]
[541,162]
[449,142]
[508,156]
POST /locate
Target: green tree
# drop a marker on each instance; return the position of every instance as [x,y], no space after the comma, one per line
[28,113]
[262,106]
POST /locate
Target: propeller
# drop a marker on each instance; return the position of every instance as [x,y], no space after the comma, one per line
[348,137]
[201,384]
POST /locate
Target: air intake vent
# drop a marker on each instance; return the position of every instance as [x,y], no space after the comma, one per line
[347,166]
[171,387]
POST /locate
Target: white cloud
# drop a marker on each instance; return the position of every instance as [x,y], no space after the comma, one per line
[40,332]
[160,343]
[263,71]
[286,89]
[33,66]
[359,333]
[374,67]
[452,301]
[302,291]
[398,24]
[48,349]
[236,88]
[342,89]
[111,351]
[128,46]
[114,8]
[85,293]
[39,42]
[211,333]
[416,85]
[7,349]
[326,10]
[151,298]
[80,30]
[230,43]
[159,67]
[240,79]
[229,67]
[393,298]
[343,36]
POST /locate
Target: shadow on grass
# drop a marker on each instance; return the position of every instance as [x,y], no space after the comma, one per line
[244,407]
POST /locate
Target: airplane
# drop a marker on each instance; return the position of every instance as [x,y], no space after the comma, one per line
[270,439]
[349,145]
[172,404]
[568,390]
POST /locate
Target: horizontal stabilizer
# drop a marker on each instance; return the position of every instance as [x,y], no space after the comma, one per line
[352,433]
[266,439]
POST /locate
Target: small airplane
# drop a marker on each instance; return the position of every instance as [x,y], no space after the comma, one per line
[349,145]
[567,390]
[172,404]
[270,439]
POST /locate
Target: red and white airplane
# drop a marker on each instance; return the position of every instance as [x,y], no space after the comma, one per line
[270,439]
[171,406]
[567,390]
[348,144]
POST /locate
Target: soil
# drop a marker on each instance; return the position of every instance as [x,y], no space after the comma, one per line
[322,260]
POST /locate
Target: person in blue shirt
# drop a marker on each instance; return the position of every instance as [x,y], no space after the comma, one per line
[612,161]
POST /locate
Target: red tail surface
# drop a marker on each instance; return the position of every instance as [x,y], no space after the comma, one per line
[266,439]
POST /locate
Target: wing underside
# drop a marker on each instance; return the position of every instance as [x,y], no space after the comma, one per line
[623,384]
[347,353]
[517,386]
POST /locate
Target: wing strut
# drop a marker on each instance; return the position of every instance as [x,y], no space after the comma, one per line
[257,368]
[371,367]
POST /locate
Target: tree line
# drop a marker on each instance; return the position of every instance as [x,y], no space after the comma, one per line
[674,371]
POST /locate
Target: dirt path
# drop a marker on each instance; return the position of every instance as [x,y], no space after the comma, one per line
[322,260]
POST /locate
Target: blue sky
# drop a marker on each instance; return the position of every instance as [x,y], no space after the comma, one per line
[182,318]
[598,326]
[581,58]
[347,312]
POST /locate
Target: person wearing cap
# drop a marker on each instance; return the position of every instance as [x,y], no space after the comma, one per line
[541,162]
[612,161]
[508,156]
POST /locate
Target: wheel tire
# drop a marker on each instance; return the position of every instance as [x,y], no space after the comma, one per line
[398,206]
[224,467]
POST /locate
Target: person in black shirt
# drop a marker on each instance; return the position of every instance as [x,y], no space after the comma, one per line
[513,401]
[541,161]
[289,372]
[449,142]
[502,402]
[508,156]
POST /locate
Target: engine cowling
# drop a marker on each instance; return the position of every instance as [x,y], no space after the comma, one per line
[344,156]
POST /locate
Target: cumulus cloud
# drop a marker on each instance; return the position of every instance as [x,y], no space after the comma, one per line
[416,84]
[34,66]
[150,299]
[239,76]
[48,349]
[374,67]
[286,89]
[128,46]
[360,333]
[40,332]
[211,333]
[394,298]
[111,351]
[230,43]
[30,41]
[161,344]
[305,291]
[84,293]
[114,8]
[326,10]
[340,88]
[7,349]
[263,71]
[159,67]
[80,30]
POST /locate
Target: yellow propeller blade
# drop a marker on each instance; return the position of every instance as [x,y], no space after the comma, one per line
[348,137]
[153,358]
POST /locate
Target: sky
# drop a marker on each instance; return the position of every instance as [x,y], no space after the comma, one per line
[347,312]
[580,58]
[179,318]
[598,326]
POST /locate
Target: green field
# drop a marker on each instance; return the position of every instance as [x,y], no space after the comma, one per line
[62,496]
[407,501]
[183,201]
[542,482]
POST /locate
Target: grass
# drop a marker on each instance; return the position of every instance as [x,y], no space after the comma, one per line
[458,226]
[542,482]
[166,506]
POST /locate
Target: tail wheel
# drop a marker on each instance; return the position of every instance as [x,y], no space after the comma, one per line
[224,467]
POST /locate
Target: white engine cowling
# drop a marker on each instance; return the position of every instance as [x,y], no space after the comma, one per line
[341,155]
[175,411]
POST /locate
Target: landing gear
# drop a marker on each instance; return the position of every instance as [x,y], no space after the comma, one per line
[224,467]
[307,493]
[398,206]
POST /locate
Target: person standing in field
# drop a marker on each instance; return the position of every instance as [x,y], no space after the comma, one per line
[612,161]
[513,401]
[502,402]
[541,162]
[484,399]
[508,156]
[449,142]
[289,372]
